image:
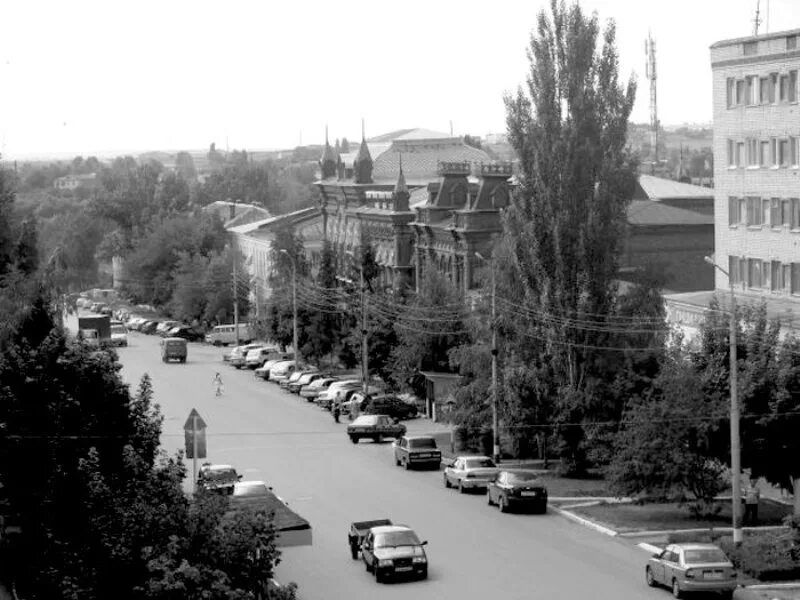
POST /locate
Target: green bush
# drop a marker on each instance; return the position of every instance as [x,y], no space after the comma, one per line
[766,556]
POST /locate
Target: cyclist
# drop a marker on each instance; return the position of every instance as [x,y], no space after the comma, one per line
[217,382]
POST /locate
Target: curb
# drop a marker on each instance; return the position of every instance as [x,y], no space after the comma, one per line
[585,522]
[787,585]
[633,534]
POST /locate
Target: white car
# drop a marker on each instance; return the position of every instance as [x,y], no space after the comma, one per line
[256,357]
[325,399]
[238,354]
[316,387]
[264,370]
[282,371]
[119,335]
[469,472]
[247,492]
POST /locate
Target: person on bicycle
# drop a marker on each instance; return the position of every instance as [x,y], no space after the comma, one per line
[217,381]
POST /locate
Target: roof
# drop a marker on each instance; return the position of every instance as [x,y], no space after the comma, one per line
[390,528]
[425,134]
[422,162]
[648,213]
[752,38]
[284,518]
[275,220]
[388,137]
[216,467]
[418,198]
[658,188]
[251,215]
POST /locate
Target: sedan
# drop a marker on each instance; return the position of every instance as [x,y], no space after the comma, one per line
[469,472]
[190,334]
[516,488]
[394,551]
[304,380]
[316,387]
[692,568]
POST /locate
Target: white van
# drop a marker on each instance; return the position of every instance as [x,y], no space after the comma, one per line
[222,335]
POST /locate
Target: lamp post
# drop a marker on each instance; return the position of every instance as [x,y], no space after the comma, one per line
[495,431]
[295,345]
[736,451]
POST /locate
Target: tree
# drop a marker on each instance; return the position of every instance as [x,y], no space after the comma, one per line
[219,287]
[576,179]
[6,210]
[189,299]
[27,250]
[323,331]
[184,165]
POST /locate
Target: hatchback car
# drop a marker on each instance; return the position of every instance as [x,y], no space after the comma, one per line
[469,472]
[304,380]
[692,568]
[239,354]
[217,478]
[316,387]
[517,488]
[264,370]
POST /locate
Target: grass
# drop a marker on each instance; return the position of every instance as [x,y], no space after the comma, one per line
[671,516]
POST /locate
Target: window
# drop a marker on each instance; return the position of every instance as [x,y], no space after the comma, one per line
[733,211]
[751,90]
[739,91]
[754,211]
[743,211]
[794,151]
[791,42]
[777,276]
[784,155]
[795,279]
[765,211]
[733,269]
[752,152]
[792,86]
[775,213]
[739,154]
[763,90]
[786,213]
[784,88]
[763,155]
[765,275]
[773,152]
[743,271]
[750,48]
[731,153]
[730,88]
[787,278]
[754,279]
[795,213]
[773,86]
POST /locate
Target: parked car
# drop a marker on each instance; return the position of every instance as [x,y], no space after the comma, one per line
[326,397]
[190,334]
[282,370]
[256,357]
[389,404]
[417,451]
[692,568]
[374,427]
[358,533]
[238,354]
[106,310]
[517,488]
[311,391]
[354,397]
[264,370]
[217,478]
[393,551]
[163,328]
[148,327]
[305,378]
[119,335]
[296,375]
[469,472]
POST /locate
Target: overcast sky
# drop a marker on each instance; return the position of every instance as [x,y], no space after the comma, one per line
[93,77]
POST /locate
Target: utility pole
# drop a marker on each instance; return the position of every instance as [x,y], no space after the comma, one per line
[295,345]
[235,292]
[364,352]
[495,426]
[736,450]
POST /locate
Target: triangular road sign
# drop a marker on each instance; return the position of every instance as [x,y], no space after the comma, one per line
[189,425]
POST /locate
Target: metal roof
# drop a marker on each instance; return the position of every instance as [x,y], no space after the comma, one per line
[647,212]
[658,188]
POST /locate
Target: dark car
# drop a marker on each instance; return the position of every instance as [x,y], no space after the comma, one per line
[517,488]
[190,334]
[389,405]
[374,427]
[217,478]
[148,327]
[394,551]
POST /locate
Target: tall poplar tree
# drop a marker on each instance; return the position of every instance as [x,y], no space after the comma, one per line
[576,178]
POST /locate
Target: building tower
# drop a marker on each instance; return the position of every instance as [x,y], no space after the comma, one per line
[362,166]
[650,72]
[329,159]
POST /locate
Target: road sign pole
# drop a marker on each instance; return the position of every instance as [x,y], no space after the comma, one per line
[194,453]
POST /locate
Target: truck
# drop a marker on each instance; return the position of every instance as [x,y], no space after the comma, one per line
[99,323]
[358,531]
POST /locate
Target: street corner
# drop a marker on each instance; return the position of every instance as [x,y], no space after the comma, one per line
[575,518]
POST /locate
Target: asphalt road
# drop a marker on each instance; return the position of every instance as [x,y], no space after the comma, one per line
[474,551]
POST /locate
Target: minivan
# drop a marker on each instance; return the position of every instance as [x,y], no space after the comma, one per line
[173,348]
[222,335]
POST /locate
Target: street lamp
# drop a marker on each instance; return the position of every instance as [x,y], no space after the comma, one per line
[495,432]
[295,345]
[736,452]
[364,347]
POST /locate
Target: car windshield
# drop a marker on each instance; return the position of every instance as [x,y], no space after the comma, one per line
[117,329]
[521,477]
[422,443]
[255,489]
[366,420]
[396,538]
[220,475]
[478,463]
[704,555]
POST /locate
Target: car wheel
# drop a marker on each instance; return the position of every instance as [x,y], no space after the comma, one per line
[676,589]
[461,489]
[379,577]
[396,462]
[354,439]
[648,577]
[376,438]
[501,504]
[424,574]
[366,567]
[489,498]
[354,551]
[446,482]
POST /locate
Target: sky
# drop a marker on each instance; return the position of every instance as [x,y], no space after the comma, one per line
[105,77]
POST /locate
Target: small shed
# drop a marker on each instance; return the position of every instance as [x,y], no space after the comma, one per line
[439,389]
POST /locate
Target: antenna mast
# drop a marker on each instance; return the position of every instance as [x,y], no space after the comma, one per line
[650,71]
[757,20]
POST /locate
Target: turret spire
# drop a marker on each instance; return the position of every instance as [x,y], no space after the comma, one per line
[401,194]
[328,161]
[362,166]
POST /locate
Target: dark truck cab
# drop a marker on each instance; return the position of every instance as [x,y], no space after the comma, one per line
[358,532]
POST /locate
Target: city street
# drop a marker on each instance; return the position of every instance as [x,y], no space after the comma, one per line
[474,551]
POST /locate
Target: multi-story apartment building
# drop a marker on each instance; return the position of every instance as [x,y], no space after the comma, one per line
[757,166]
